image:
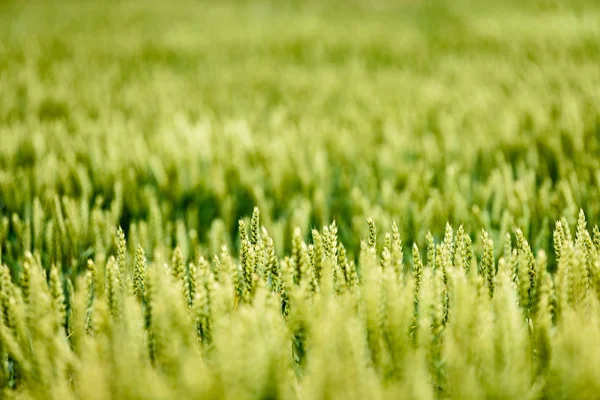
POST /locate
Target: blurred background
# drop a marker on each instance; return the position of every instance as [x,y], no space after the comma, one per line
[193,112]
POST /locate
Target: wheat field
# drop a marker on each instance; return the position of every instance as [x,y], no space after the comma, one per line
[299,199]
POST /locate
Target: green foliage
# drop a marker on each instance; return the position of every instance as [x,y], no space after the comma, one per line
[299,200]
[463,331]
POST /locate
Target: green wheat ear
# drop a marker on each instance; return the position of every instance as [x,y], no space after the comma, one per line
[178,265]
[488,267]
[113,288]
[417,271]
[296,253]
[448,244]
[121,248]
[397,252]
[348,268]
[387,244]
[90,288]
[242,231]
[247,270]
[527,279]
[372,238]
[418,280]
[330,239]
[271,261]
[57,290]
[6,294]
[559,239]
[139,272]
[26,276]
[330,248]
[581,227]
[255,227]
[459,249]
[191,279]
[317,258]
[430,250]
[596,238]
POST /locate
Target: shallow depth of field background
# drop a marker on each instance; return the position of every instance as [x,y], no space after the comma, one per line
[173,120]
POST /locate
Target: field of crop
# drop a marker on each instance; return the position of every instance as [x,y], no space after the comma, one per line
[260,200]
